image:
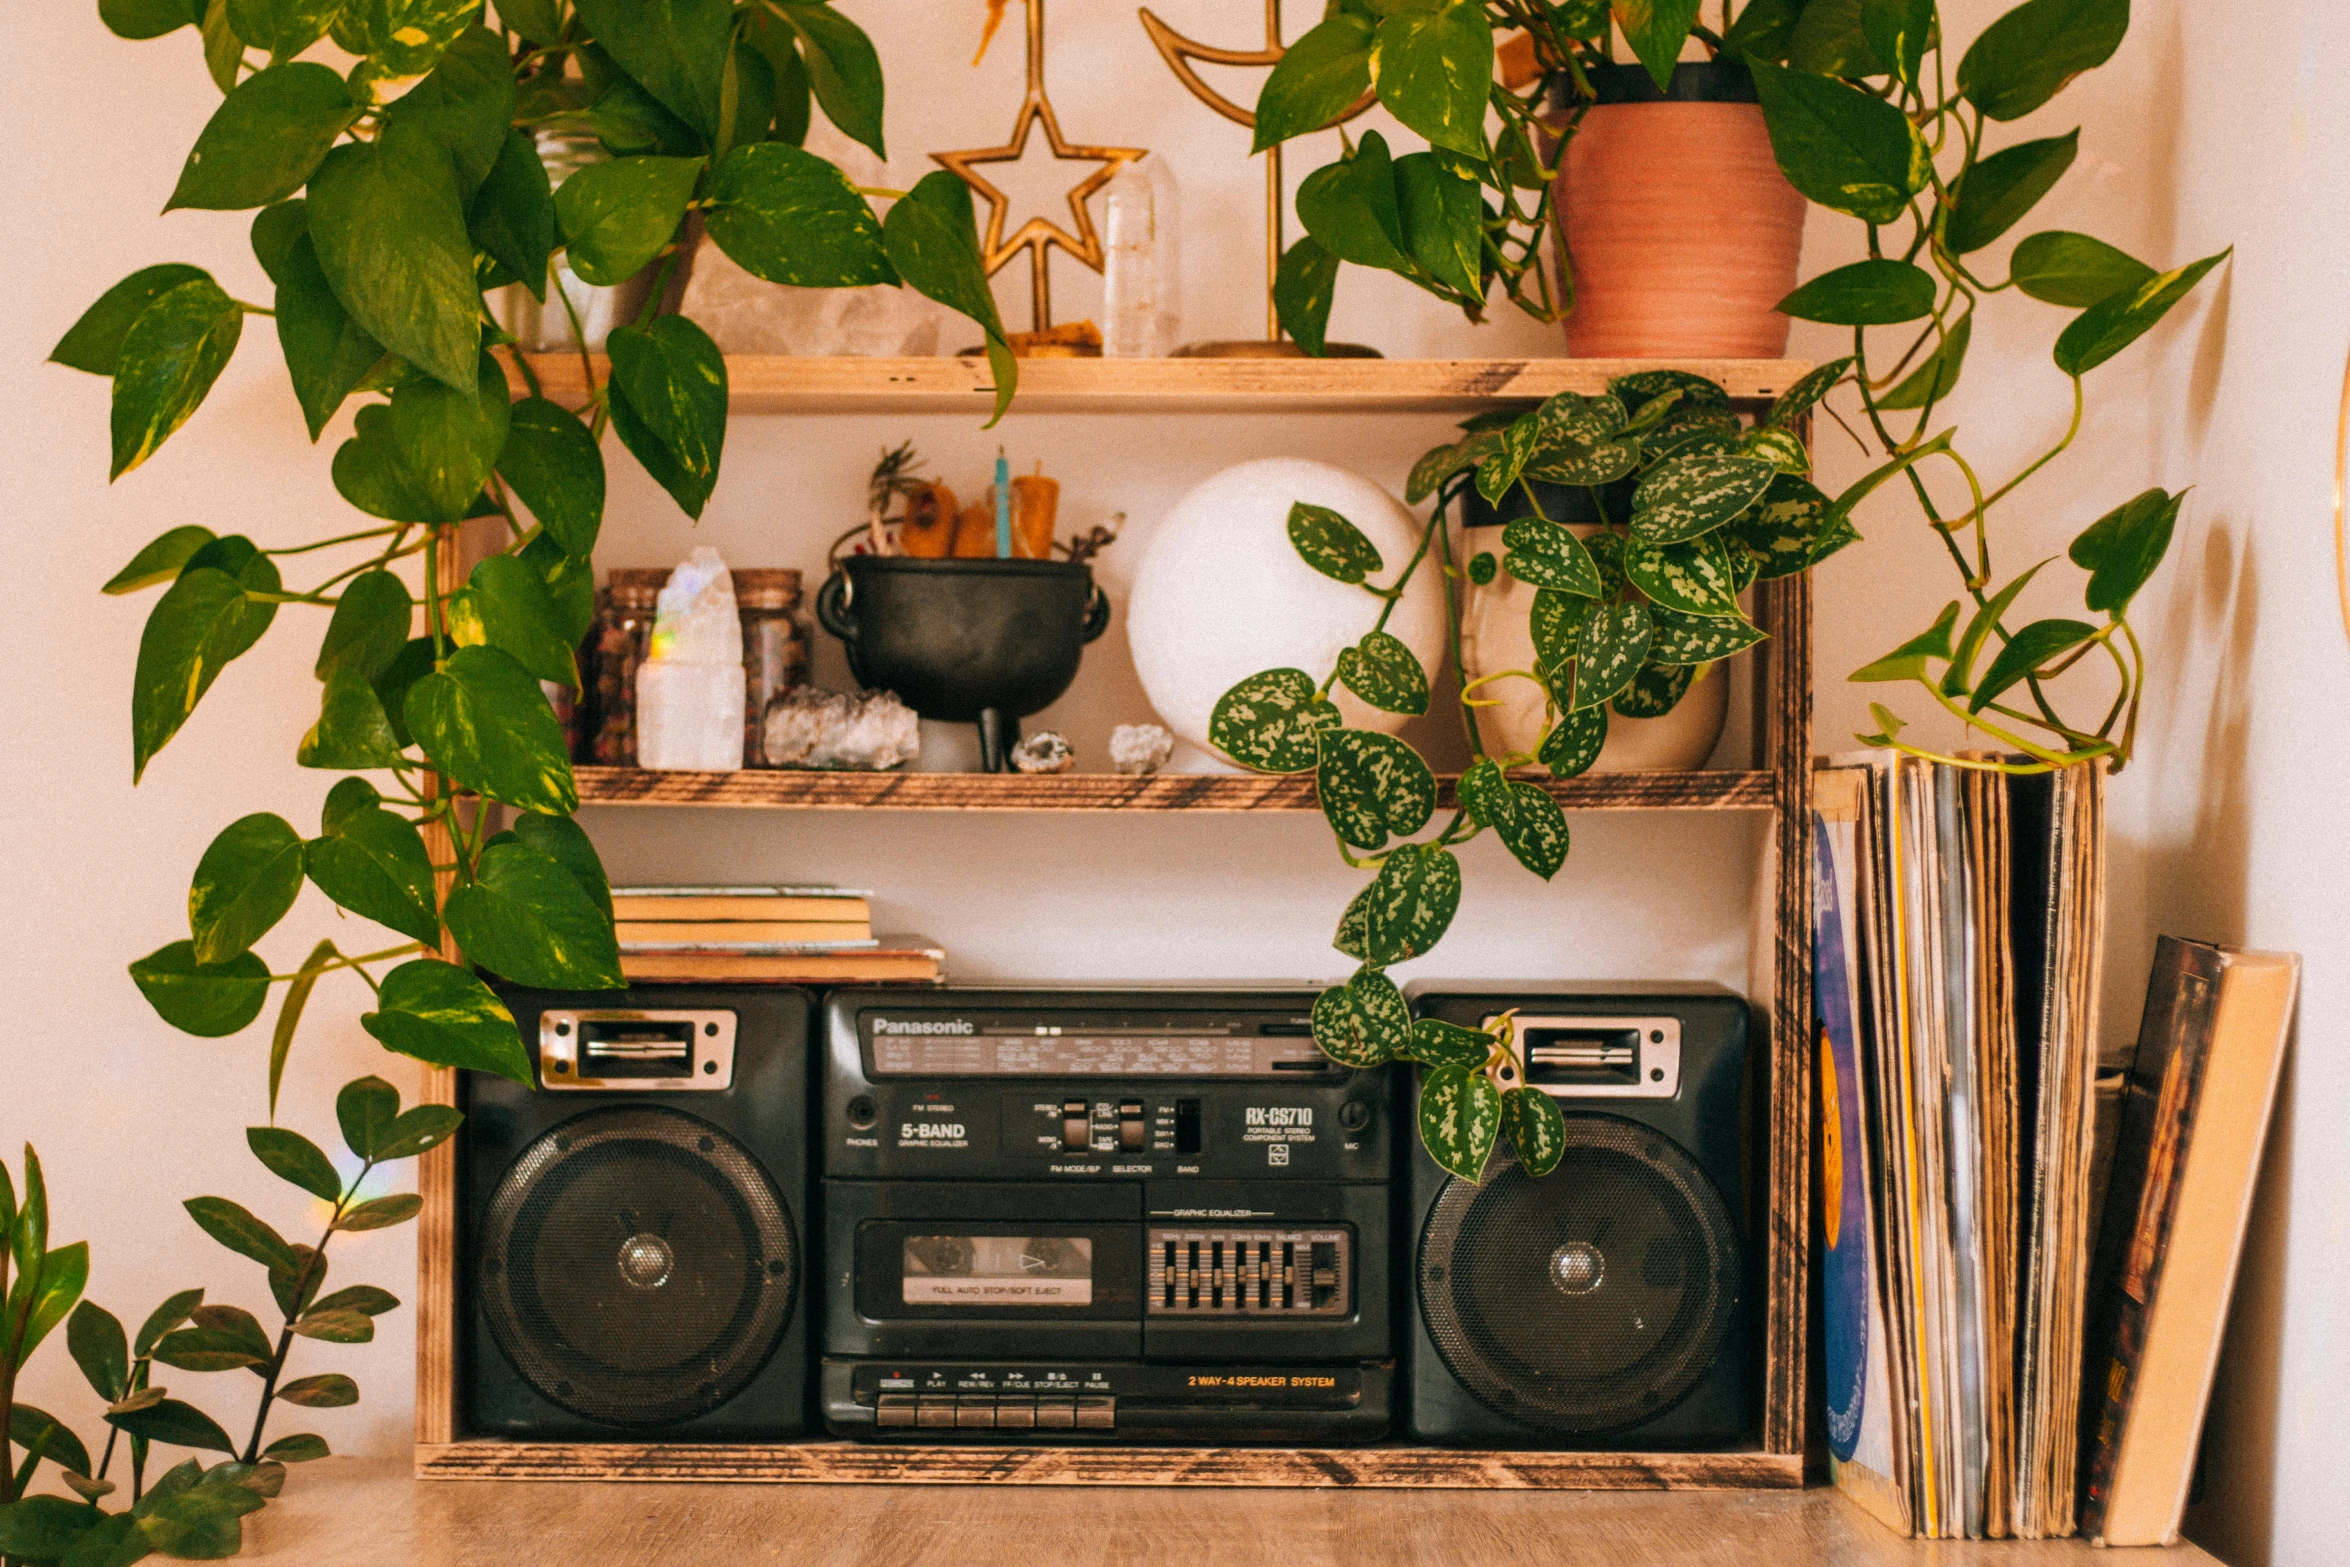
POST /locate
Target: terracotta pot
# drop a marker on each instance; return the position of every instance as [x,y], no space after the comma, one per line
[1681,232]
[1494,636]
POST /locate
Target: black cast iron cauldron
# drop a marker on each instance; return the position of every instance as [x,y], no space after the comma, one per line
[965,641]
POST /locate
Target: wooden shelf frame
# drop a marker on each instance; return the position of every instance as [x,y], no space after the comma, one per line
[1780,982]
[759,384]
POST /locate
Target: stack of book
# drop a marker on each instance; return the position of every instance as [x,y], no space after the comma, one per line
[1980,1373]
[771,935]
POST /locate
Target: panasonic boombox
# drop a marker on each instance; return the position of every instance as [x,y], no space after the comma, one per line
[1093,1216]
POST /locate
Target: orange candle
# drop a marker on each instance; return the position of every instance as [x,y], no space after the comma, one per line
[1036,500]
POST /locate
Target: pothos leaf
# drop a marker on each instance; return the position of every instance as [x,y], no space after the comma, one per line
[1655,691]
[1406,908]
[1554,622]
[1330,544]
[1523,815]
[1695,577]
[1435,1042]
[1538,1133]
[1574,742]
[1371,785]
[1609,651]
[1460,1115]
[1799,398]
[1364,1022]
[1694,494]
[1545,555]
[1269,722]
[1697,639]
[1382,671]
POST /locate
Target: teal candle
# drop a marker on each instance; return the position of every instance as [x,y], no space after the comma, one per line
[1003,506]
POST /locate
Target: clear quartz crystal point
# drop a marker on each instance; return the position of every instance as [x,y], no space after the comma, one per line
[1142,268]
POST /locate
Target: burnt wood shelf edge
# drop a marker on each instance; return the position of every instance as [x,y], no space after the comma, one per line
[773,788]
[857,1463]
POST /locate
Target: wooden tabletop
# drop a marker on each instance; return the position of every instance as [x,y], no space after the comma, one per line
[350,1513]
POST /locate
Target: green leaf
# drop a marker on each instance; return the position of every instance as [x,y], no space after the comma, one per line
[1898,32]
[174,1311]
[297,1449]
[1763,29]
[1840,146]
[161,561]
[418,1131]
[1303,287]
[1316,80]
[95,1339]
[169,358]
[210,1001]
[243,885]
[2027,56]
[616,216]
[1483,567]
[60,1278]
[1545,555]
[1350,207]
[1332,545]
[2115,322]
[143,19]
[1433,70]
[425,456]
[389,225]
[266,139]
[676,48]
[1699,394]
[43,1528]
[1993,195]
[1364,1022]
[439,1013]
[2121,549]
[1695,577]
[353,729]
[298,1281]
[933,244]
[273,232]
[366,1299]
[1435,1042]
[1269,722]
[1682,639]
[1908,661]
[1382,671]
[289,1014]
[843,69]
[175,1424]
[1609,651]
[526,917]
[415,661]
[1537,1132]
[1656,690]
[1513,446]
[235,1227]
[1828,39]
[369,626]
[519,616]
[1406,908]
[790,217]
[668,401]
[283,27]
[1523,815]
[328,355]
[1443,217]
[1687,497]
[365,1110]
[1460,1115]
[1574,441]
[2025,652]
[295,1158]
[403,38]
[1878,292]
[193,631]
[1776,446]
[560,838]
[1656,30]
[380,1213]
[552,465]
[2061,268]
[1899,462]
[1801,397]
[94,343]
[1371,785]
[225,1338]
[28,1425]
[1555,621]
[224,51]
[466,105]
[1440,463]
[512,215]
[330,1390]
[1937,377]
[1978,630]
[482,719]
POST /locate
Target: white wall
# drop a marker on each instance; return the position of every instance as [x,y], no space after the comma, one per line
[2217,831]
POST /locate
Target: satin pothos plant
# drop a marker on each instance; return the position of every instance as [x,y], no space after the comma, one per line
[113,1513]
[1693,507]
[387,149]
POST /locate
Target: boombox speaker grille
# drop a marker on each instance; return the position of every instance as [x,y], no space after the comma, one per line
[637,1266]
[1590,1300]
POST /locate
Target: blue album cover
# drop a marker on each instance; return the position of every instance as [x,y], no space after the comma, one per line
[1847,1278]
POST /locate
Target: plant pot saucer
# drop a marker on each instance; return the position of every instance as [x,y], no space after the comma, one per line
[1261,348]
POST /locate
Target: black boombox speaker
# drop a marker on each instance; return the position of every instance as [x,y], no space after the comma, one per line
[1607,1303]
[632,1239]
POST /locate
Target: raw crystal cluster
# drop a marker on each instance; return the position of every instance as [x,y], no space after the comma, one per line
[1140,749]
[1043,752]
[871,731]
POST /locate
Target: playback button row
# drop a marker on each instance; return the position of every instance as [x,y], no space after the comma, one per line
[990,1412]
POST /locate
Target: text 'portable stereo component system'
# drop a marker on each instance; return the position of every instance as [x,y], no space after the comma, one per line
[631,1241]
[1101,1216]
[1609,1302]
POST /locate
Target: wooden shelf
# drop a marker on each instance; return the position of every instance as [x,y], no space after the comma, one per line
[1389,1466]
[775,384]
[772,789]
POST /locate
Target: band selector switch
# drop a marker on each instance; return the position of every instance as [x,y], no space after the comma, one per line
[1076,1126]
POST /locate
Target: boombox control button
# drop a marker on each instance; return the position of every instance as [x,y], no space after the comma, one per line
[1076,1125]
[896,1409]
[936,1409]
[1015,1414]
[1131,1131]
[1056,1414]
[1097,1414]
[975,1409]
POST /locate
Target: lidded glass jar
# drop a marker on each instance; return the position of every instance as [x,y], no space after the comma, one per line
[775,647]
[546,327]
[624,625]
